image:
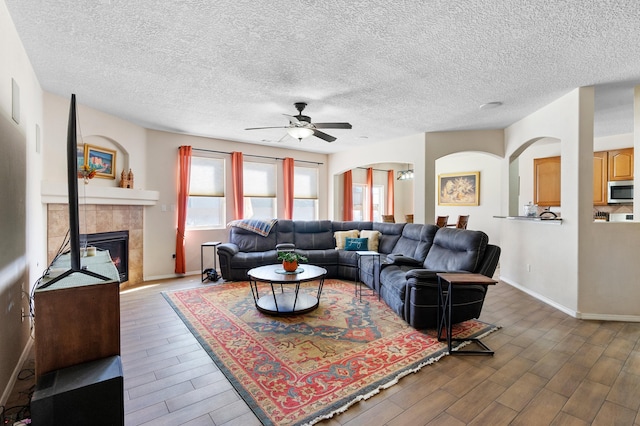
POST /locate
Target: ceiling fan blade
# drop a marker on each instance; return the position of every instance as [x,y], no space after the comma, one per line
[324,136]
[292,119]
[332,125]
[259,128]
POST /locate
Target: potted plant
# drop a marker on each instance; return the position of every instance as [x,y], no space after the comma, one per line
[290,260]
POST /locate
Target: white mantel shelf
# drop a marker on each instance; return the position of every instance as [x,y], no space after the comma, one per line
[56,193]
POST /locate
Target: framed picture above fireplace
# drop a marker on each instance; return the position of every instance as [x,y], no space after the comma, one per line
[102,159]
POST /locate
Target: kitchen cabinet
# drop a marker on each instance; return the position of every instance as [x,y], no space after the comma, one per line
[546,181]
[600,160]
[621,164]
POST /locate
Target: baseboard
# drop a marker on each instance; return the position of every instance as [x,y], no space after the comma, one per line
[169,276]
[541,298]
[16,371]
[610,317]
[571,312]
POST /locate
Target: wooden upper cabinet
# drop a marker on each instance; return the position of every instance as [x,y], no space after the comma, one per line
[600,178]
[546,181]
[621,164]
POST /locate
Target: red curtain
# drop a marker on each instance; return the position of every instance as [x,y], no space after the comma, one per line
[369,197]
[238,185]
[287,165]
[184,171]
[347,200]
[390,192]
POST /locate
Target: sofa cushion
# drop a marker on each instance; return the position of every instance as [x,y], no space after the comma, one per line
[391,233]
[325,258]
[356,244]
[393,287]
[456,250]
[284,232]
[408,242]
[348,225]
[313,235]
[373,237]
[248,241]
[341,237]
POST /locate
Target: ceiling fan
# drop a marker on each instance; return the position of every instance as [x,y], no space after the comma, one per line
[300,126]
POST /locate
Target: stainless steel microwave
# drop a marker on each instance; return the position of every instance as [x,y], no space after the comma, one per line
[620,192]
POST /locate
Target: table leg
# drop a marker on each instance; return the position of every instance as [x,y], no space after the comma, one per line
[202,274]
[445,307]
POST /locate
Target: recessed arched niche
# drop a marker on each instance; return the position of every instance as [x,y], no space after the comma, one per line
[121,157]
[533,169]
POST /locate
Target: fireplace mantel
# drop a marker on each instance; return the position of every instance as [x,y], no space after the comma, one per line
[57,193]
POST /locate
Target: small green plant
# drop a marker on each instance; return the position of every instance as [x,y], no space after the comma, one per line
[291,256]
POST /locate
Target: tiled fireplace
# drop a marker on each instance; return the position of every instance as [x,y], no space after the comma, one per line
[99,218]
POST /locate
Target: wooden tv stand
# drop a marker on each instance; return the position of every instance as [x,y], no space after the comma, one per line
[77,319]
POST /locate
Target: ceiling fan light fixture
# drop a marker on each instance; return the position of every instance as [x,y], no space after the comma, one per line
[300,132]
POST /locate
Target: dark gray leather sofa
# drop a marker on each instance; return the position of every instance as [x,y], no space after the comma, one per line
[411,255]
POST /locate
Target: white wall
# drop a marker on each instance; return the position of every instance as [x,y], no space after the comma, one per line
[481,216]
[160,226]
[546,147]
[20,275]
[95,128]
[609,266]
[541,257]
[405,150]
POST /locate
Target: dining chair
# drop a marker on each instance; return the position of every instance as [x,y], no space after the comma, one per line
[462,222]
[389,218]
[441,221]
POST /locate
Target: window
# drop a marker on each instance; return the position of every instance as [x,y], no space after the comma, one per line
[305,193]
[206,204]
[259,190]
[360,197]
[359,192]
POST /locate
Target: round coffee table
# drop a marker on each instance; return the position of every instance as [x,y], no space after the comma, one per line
[287,299]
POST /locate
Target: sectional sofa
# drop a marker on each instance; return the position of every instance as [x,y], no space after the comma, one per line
[405,278]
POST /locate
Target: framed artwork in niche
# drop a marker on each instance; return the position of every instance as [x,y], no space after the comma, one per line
[80,156]
[459,189]
[103,160]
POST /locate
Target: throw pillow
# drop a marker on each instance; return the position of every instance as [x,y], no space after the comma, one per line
[374,239]
[356,244]
[341,237]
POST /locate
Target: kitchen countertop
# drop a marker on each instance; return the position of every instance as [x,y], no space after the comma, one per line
[554,220]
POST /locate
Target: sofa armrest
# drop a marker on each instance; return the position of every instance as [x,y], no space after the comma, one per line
[417,276]
[400,259]
[229,249]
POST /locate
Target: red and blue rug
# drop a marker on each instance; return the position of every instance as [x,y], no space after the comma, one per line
[302,369]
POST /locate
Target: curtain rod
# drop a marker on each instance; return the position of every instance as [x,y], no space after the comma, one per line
[375,170]
[253,155]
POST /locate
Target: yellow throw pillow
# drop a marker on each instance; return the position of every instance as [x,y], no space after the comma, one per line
[374,238]
[341,237]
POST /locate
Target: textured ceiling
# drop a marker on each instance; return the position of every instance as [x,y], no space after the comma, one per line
[391,69]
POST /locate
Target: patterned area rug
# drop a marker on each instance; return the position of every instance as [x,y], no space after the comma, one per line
[302,369]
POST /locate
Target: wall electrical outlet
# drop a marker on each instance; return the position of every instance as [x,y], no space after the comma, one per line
[528,267]
[22,314]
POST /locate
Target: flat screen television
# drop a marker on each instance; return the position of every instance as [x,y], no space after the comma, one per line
[74,216]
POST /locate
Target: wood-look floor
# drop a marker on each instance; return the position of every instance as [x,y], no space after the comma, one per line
[549,369]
